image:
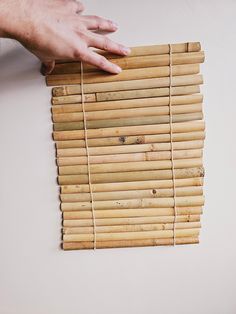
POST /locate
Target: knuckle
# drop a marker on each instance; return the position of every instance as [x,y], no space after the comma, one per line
[106,43]
[102,62]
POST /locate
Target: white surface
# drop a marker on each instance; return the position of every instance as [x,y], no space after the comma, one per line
[36,277]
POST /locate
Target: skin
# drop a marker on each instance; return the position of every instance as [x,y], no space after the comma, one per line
[57,29]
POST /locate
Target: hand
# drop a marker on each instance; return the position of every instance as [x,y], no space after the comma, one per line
[56,29]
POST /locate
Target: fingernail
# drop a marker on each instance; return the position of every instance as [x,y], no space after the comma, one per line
[117,68]
[114,24]
[126,50]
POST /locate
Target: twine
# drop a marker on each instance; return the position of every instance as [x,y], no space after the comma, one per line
[171,143]
[88,156]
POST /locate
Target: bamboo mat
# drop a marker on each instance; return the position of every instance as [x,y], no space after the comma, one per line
[129,148]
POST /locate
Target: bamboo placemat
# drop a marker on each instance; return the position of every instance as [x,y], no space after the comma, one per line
[129,148]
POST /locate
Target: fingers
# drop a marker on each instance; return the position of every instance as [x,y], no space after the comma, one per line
[101,62]
[97,23]
[104,43]
[47,67]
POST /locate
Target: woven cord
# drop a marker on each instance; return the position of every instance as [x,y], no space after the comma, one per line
[88,156]
[171,143]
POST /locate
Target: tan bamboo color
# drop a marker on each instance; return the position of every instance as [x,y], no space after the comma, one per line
[133,194]
[134,62]
[131,228]
[125,113]
[127,176]
[128,140]
[196,179]
[125,104]
[133,157]
[151,50]
[128,94]
[127,85]
[125,75]
[181,201]
[130,221]
[126,149]
[157,234]
[128,243]
[130,130]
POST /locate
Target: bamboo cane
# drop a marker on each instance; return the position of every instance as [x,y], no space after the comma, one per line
[130,130]
[128,140]
[131,228]
[130,166]
[125,104]
[127,95]
[125,75]
[130,220]
[147,156]
[133,62]
[127,176]
[125,85]
[130,243]
[133,194]
[157,234]
[195,180]
[181,201]
[126,113]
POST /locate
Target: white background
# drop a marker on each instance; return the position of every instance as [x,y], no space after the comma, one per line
[36,277]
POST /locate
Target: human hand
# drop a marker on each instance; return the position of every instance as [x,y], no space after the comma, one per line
[56,29]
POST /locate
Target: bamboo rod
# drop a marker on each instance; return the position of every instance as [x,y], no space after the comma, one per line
[157,234]
[130,228]
[130,220]
[127,94]
[123,104]
[130,166]
[130,243]
[125,75]
[181,80]
[133,62]
[127,176]
[180,201]
[119,195]
[126,113]
[196,179]
[126,149]
[147,156]
[150,50]
[130,130]
[128,140]
[94,124]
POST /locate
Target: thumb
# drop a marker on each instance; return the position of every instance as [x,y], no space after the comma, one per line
[47,67]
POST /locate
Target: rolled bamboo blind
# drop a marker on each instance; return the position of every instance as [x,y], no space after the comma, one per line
[129,148]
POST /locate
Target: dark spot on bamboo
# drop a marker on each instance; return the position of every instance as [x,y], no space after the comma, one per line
[154,191]
[122,139]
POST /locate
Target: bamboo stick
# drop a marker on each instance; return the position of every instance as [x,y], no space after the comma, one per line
[131,235]
[130,130]
[196,179]
[127,176]
[119,195]
[94,124]
[181,80]
[131,243]
[127,94]
[133,62]
[147,156]
[125,149]
[149,50]
[131,228]
[180,201]
[124,104]
[125,113]
[125,75]
[128,140]
[130,166]
[130,220]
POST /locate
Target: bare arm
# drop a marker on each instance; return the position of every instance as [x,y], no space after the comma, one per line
[56,29]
